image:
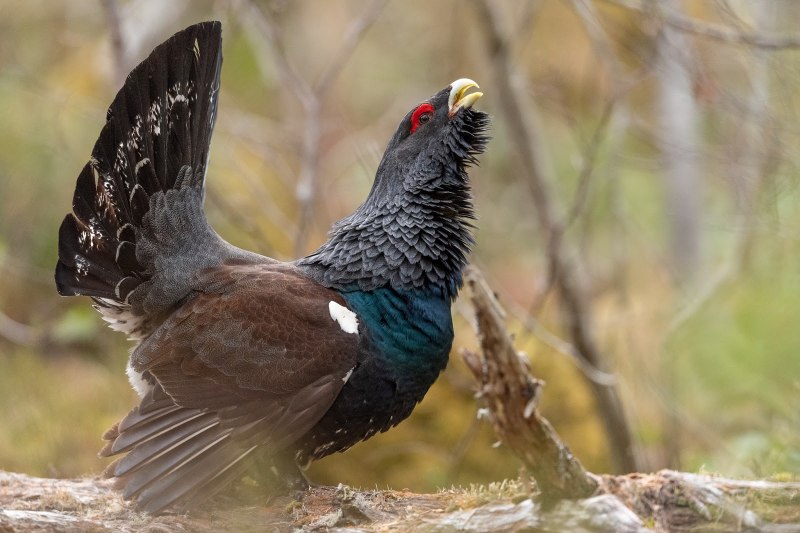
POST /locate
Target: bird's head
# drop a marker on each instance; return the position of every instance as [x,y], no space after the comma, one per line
[414,229]
[433,144]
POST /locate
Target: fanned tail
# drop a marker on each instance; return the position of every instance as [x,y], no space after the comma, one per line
[155,140]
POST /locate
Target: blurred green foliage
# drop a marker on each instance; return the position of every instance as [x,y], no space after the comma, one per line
[721,386]
[743,346]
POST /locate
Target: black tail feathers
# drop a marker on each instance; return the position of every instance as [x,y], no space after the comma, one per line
[156,138]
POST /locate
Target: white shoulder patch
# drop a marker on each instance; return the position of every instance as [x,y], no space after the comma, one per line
[138,382]
[347,376]
[347,319]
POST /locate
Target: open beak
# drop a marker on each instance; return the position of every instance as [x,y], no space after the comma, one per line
[458,97]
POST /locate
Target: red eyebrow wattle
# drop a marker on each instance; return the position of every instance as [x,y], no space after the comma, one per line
[418,112]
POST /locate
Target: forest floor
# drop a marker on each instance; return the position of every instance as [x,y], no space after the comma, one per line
[664,501]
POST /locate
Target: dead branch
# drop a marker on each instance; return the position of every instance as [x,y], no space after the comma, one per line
[526,136]
[510,393]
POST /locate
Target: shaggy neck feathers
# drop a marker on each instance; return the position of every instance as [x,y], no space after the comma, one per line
[414,230]
[414,241]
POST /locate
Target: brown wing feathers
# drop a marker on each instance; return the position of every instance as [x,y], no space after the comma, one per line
[177,454]
[224,399]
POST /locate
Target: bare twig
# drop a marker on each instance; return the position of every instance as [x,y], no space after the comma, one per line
[459,453]
[25,270]
[589,163]
[511,395]
[576,310]
[587,12]
[271,210]
[711,30]
[117,43]
[752,152]
[259,239]
[264,138]
[526,136]
[266,27]
[702,295]
[351,40]
[16,332]
[526,139]
[562,346]
[307,181]
[312,98]
[620,85]
[551,340]
[526,20]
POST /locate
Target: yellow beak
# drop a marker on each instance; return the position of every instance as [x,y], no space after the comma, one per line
[458,99]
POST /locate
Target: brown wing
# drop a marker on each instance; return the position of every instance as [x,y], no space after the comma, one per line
[253,361]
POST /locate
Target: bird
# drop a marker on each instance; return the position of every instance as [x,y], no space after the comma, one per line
[242,362]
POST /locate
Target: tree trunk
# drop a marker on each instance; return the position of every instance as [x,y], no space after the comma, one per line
[679,141]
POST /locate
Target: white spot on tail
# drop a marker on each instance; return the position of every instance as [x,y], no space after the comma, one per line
[347,319]
[139,165]
[82,266]
[154,117]
[139,384]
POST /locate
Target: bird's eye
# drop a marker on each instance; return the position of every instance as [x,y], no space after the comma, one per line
[421,115]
